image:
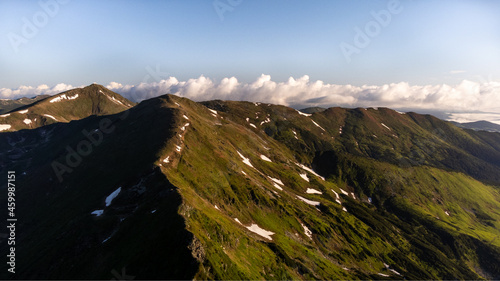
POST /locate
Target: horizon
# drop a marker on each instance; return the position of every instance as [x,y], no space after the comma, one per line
[426,55]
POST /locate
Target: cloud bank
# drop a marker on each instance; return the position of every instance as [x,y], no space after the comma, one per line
[468,96]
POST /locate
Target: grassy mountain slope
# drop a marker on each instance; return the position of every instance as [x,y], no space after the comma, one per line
[64,107]
[238,190]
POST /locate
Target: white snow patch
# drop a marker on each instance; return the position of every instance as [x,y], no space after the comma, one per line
[277,186]
[97,212]
[353,196]
[369,200]
[253,125]
[313,191]
[238,221]
[23,111]
[185,117]
[344,209]
[27,121]
[4,127]
[302,113]
[260,231]
[112,196]
[213,111]
[276,181]
[310,202]
[153,211]
[5,115]
[318,125]
[384,275]
[248,119]
[243,172]
[60,98]
[344,192]
[166,160]
[386,126]
[184,127]
[340,130]
[400,112]
[304,176]
[394,271]
[265,121]
[114,100]
[50,116]
[176,103]
[178,148]
[447,213]
[295,134]
[263,157]
[307,231]
[245,160]
[216,207]
[309,170]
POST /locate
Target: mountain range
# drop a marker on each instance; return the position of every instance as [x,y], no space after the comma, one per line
[175,189]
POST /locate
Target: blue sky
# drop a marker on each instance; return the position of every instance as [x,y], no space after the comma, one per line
[428,42]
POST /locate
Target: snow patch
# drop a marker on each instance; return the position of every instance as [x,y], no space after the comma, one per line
[97,212]
[277,186]
[112,196]
[260,231]
[4,127]
[263,157]
[340,130]
[213,111]
[60,98]
[307,231]
[304,176]
[309,170]
[310,202]
[183,128]
[344,192]
[185,117]
[447,213]
[178,148]
[153,211]
[344,209]
[166,160]
[318,125]
[276,181]
[245,160]
[114,100]
[304,114]
[265,121]
[248,119]
[386,126]
[253,125]
[5,115]
[23,111]
[216,207]
[50,116]
[384,275]
[313,191]
[27,121]
[353,196]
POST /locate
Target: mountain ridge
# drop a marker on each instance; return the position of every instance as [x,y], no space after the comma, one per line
[257,191]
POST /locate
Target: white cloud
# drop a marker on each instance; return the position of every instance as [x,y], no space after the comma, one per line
[29,91]
[457,71]
[468,96]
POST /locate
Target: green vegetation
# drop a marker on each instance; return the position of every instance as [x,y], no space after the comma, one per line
[403,195]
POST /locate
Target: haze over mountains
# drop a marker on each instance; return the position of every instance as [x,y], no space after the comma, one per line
[176,189]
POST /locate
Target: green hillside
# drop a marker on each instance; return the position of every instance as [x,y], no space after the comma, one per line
[64,107]
[239,190]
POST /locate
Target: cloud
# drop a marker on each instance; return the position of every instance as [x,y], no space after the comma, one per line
[457,71]
[29,91]
[301,92]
